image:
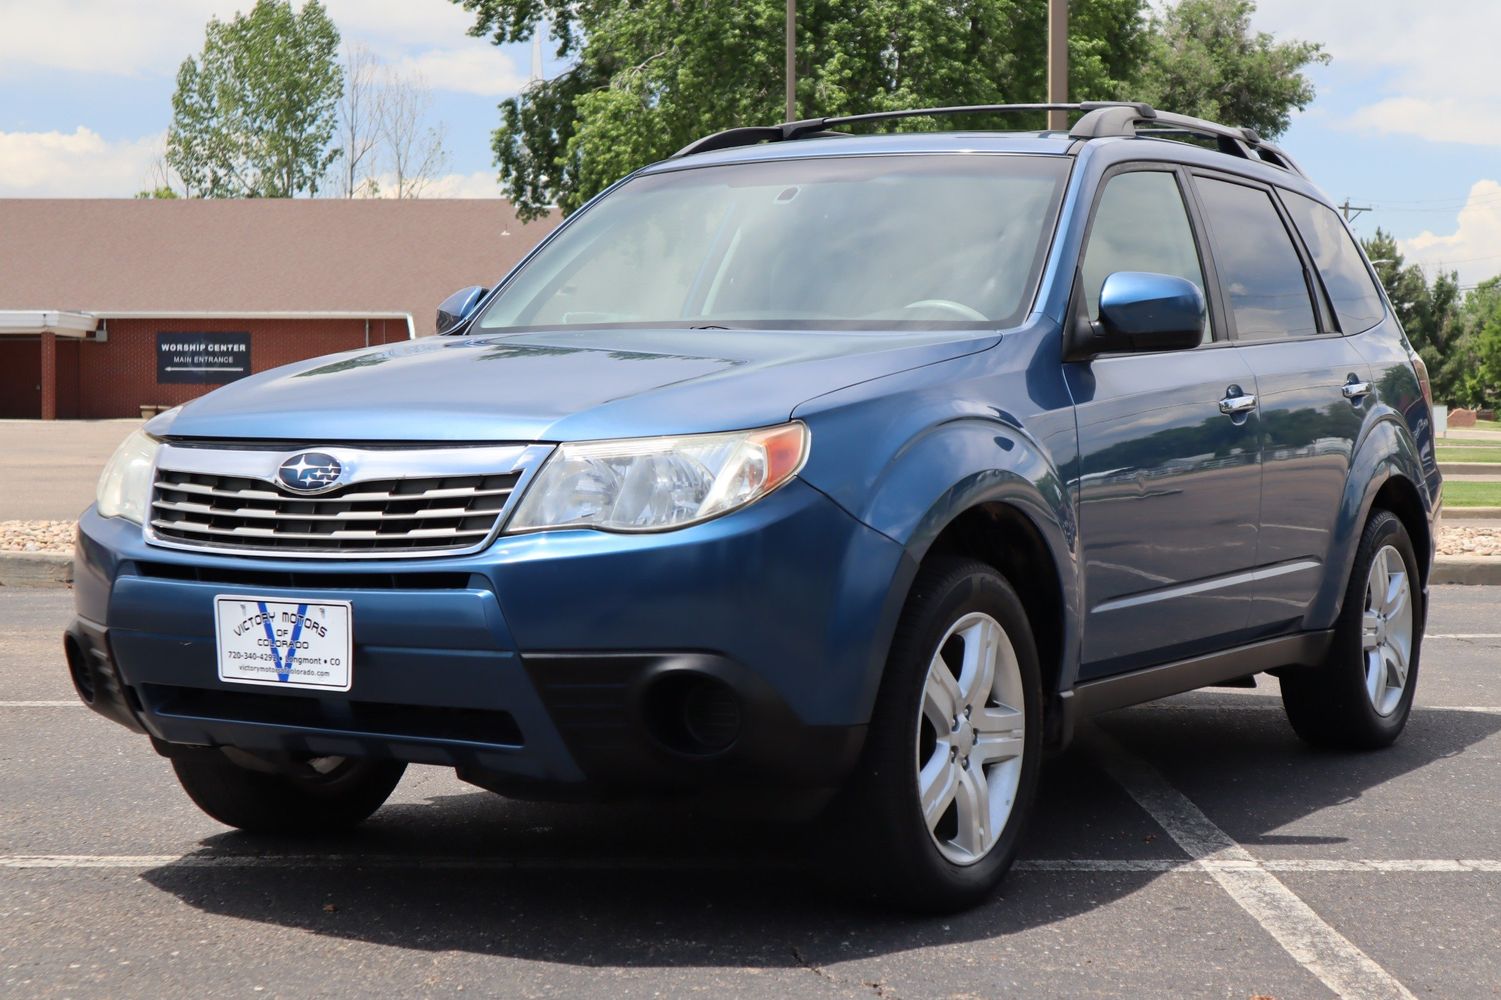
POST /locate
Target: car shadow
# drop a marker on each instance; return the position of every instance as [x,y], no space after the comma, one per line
[683,884]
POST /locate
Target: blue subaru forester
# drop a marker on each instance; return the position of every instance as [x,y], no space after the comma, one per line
[804,460]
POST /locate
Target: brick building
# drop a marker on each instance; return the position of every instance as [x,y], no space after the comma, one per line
[108,306]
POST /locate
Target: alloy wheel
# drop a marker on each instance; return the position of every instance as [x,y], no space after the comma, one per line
[1386,630]
[970,738]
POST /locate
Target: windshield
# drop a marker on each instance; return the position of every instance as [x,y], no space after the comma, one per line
[868,242]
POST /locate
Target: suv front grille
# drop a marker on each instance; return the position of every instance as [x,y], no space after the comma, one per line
[436,504]
[455,511]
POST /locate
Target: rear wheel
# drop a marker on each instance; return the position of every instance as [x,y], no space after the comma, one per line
[317,795]
[952,755]
[1360,699]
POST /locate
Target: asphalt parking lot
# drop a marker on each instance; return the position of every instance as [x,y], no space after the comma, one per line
[1192,848]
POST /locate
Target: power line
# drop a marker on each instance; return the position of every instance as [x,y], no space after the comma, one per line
[1352,212]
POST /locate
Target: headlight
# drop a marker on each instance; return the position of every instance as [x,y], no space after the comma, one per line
[125,487]
[649,484]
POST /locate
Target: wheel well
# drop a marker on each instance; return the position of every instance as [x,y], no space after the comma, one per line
[1400,496]
[1003,537]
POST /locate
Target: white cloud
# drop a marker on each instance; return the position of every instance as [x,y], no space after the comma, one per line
[1430,66]
[102,36]
[135,39]
[485,71]
[1474,248]
[1441,120]
[480,184]
[408,22]
[81,163]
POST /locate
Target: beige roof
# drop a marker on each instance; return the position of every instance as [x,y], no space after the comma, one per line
[114,256]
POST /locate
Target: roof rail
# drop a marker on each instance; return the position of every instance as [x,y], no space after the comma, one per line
[817,127]
[1101,118]
[1123,120]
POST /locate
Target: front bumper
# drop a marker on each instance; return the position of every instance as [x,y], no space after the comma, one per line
[536,662]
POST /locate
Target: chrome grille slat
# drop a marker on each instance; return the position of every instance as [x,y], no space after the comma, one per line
[365,497]
[348,515]
[400,502]
[256,532]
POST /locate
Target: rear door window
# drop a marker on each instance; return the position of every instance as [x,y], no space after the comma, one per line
[1354,295]
[1258,263]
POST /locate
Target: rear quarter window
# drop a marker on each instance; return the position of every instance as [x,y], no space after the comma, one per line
[1354,295]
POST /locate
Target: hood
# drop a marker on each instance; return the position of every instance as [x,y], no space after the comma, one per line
[557,386]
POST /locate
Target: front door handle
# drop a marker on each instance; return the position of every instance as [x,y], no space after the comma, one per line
[1355,390]
[1238,403]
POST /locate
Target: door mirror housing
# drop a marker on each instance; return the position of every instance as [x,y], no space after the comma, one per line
[1142,313]
[455,310]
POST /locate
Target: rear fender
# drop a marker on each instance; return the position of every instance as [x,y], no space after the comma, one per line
[1387,450]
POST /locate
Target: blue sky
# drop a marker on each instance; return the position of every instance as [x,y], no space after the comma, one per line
[1407,118]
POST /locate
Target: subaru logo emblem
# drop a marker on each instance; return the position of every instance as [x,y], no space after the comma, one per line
[310,472]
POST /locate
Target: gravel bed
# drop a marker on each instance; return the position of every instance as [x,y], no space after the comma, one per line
[1468,541]
[57,536]
[36,536]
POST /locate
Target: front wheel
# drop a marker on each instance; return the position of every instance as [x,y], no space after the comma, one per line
[318,795]
[953,752]
[1361,697]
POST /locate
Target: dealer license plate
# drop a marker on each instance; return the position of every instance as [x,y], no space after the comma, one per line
[284,643]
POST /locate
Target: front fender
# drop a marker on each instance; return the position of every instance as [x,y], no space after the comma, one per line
[1386,450]
[908,454]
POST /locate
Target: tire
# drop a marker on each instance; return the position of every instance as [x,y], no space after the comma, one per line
[323,795]
[1360,699]
[956,605]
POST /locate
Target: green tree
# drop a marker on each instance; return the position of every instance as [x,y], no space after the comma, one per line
[1203,59]
[649,76]
[1429,313]
[1475,360]
[254,115]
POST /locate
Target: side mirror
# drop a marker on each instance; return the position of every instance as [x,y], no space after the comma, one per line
[458,307]
[1141,313]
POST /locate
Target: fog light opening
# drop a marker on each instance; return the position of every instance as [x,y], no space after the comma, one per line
[693,714]
[79,670]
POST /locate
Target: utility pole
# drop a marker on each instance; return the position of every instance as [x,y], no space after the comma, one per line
[792,60]
[1352,212]
[1058,62]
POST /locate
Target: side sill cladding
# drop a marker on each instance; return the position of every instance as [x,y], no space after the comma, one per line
[1306,649]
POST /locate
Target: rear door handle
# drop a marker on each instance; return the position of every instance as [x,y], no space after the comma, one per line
[1355,390]
[1243,403]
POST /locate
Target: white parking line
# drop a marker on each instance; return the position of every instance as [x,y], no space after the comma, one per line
[1301,932]
[1462,635]
[1271,703]
[42,704]
[1333,866]
[140,862]
[418,862]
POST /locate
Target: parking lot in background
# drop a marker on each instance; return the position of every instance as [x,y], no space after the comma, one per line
[1190,848]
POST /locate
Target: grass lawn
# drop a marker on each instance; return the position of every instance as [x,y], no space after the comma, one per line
[1472,495]
[1451,453]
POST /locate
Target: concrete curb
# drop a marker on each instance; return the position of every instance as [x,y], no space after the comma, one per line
[1471,514]
[1471,570]
[35,569]
[1492,469]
